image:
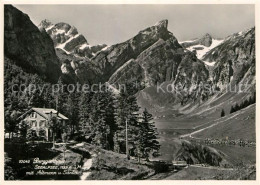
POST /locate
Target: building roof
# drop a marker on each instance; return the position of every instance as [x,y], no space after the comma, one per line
[44,113]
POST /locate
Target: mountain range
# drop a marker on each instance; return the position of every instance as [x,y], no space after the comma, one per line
[152,57]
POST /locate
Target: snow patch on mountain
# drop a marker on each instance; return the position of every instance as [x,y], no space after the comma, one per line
[209,63]
[83,46]
[62,46]
[60,31]
[49,28]
[202,50]
[180,42]
[105,48]
[67,38]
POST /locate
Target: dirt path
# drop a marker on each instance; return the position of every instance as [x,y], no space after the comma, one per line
[87,161]
[211,167]
[86,166]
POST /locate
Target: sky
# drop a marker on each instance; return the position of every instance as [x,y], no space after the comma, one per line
[111,24]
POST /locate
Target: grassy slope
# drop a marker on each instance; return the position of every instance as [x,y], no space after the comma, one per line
[206,113]
[236,155]
[196,173]
[240,126]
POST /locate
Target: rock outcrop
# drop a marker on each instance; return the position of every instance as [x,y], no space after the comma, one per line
[206,40]
[199,154]
[28,46]
[67,39]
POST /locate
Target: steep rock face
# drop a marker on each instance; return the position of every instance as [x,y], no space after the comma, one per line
[67,39]
[164,63]
[30,47]
[234,59]
[232,74]
[108,61]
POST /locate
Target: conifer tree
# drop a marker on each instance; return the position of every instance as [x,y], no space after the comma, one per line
[126,110]
[55,126]
[23,128]
[108,101]
[71,110]
[84,111]
[37,99]
[11,124]
[60,96]
[97,121]
[147,137]
[222,113]
[250,100]
[232,110]
[254,98]
[236,108]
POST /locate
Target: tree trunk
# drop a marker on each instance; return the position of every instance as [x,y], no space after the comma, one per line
[71,129]
[53,137]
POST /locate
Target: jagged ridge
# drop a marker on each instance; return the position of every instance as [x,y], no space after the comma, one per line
[67,39]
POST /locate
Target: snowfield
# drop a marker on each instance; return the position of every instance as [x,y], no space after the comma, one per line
[209,63]
[201,53]
[83,46]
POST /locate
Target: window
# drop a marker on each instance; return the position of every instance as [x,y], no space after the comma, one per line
[42,123]
[33,115]
[34,123]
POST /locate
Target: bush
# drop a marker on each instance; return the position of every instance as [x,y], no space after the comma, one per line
[31,135]
[8,170]
[78,137]
[42,134]
[160,166]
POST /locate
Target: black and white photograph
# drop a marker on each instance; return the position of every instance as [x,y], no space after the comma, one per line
[129,92]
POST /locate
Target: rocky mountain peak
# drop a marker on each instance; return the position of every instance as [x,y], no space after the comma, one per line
[153,33]
[207,35]
[162,24]
[67,40]
[45,23]
[206,40]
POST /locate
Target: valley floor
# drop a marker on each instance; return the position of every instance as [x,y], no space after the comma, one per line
[237,127]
